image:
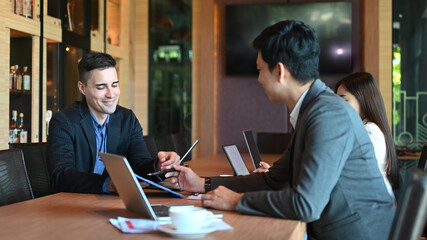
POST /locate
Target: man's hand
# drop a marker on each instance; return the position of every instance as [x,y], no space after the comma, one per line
[185,179]
[221,198]
[263,167]
[167,159]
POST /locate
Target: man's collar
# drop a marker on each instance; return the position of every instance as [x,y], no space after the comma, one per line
[295,112]
[96,121]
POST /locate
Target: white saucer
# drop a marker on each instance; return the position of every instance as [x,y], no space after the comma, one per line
[169,229]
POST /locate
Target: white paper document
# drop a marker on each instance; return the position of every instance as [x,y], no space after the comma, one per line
[137,225]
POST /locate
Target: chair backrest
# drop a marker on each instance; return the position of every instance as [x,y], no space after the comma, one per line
[411,213]
[164,142]
[423,159]
[35,162]
[180,146]
[151,145]
[14,183]
[272,142]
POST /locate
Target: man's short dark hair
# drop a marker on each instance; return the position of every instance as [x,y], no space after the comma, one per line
[94,60]
[294,44]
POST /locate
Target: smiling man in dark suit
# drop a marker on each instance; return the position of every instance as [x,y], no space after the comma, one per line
[96,124]
[328,177]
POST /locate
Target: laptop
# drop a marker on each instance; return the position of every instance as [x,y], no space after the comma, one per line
[235,159]
[129,189]
[252,147]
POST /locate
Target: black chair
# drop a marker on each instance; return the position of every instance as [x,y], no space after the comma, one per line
[151,145]
[35,162]
[14,183]
[272,142]
[180,146]
[164,142]
[411,213]
[423,159]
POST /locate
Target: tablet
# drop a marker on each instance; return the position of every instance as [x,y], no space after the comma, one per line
[252,147]
[235,159]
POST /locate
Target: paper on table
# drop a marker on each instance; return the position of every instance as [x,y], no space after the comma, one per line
[133,225]
[136,225]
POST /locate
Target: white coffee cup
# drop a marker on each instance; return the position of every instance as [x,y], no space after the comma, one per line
[189,219]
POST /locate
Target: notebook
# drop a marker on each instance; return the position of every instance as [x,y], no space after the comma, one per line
[252,147]
[235,159]
[130,191]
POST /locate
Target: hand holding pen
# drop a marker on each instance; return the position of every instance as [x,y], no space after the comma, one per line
[179,163]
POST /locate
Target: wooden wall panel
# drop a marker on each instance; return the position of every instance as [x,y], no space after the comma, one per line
[139,60]
[377,51]
[385,49]
[35,88]
[4,79]
[204,77]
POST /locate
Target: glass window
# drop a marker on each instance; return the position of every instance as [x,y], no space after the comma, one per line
[410,74]
[170,70]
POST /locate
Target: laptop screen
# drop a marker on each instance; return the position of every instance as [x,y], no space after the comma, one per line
[127,186]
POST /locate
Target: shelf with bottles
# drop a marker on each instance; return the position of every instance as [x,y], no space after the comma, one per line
[18,132]
[19,80]
[21,47]
[24,16]
[52,24]
[23,87]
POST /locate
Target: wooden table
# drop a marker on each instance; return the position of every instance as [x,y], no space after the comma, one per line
[86,216]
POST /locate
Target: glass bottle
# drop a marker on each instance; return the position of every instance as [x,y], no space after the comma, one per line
[17,78]
[12,126]
[26,80]
[27,8]
[12,71]
[13,129]
[19,7]
[21,129]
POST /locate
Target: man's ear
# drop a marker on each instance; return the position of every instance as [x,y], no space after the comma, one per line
[81,87]
[282,71]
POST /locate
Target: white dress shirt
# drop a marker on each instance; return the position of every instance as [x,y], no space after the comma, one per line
[380,147]
[293,118]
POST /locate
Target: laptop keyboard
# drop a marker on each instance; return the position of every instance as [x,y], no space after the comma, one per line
[160,210]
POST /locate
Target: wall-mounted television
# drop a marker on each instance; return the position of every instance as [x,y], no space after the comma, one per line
[332,22]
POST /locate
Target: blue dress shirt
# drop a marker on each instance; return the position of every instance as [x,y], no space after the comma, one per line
[101,146]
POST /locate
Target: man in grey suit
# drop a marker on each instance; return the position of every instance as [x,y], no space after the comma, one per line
[328,177]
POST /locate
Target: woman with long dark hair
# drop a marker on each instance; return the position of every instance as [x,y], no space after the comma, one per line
[360,90]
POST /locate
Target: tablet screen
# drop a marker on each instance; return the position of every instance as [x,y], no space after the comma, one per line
[252,147]
[235,160]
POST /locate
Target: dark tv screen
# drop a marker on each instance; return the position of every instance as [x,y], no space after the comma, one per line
[332,22]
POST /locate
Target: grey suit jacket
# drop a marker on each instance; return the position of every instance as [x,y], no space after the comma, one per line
[328,177]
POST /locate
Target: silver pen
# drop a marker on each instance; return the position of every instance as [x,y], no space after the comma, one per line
[179,163]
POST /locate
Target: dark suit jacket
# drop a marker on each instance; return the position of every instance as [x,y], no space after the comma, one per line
[71,147]
[328,177]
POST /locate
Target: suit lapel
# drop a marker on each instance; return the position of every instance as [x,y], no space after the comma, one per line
[291,159]
[88,129]
[315,89]
[113,133]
